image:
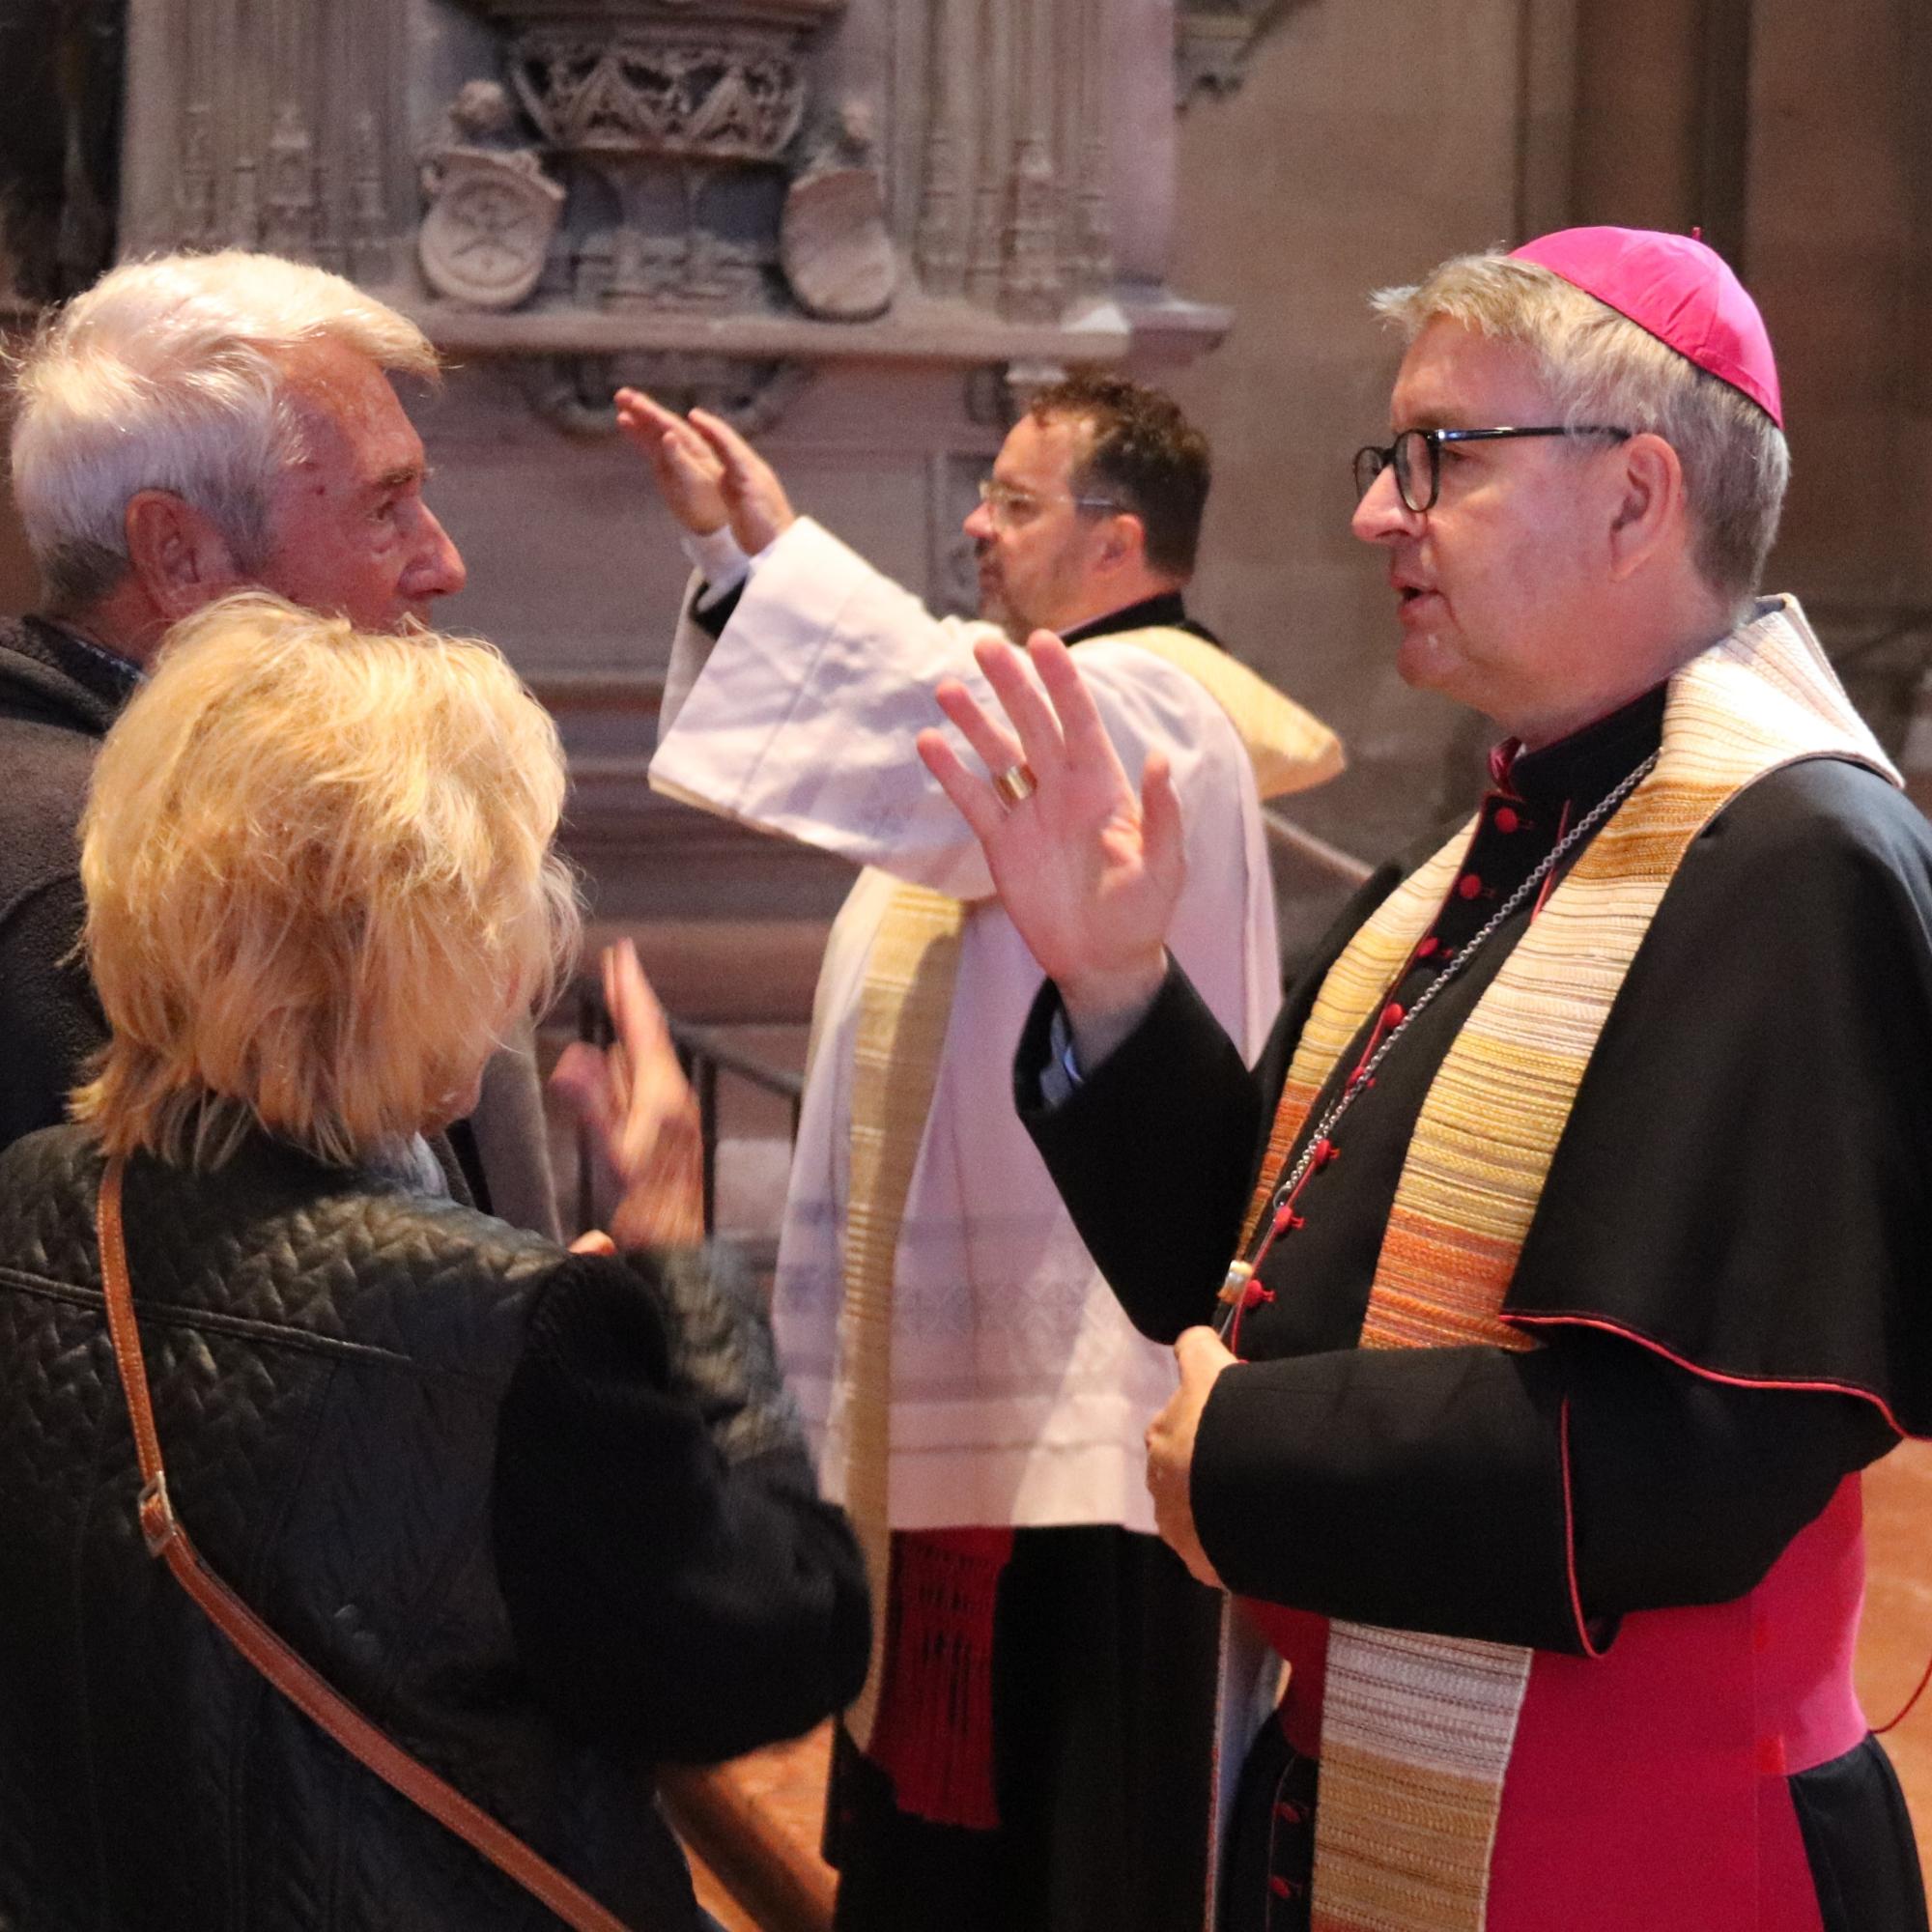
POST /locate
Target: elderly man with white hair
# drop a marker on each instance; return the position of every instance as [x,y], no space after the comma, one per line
[189,426]
[1578,1209]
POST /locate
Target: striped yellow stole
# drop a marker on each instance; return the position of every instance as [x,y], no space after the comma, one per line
[903,1010]
[1417,1730]
[1290,748]
[904,1005]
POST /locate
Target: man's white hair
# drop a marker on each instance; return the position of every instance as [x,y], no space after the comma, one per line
[169,375]
[1600,367]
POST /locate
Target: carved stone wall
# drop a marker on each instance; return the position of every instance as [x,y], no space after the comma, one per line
[860,228]
[589,186]
[1332,147]
[943,161]
[280,127]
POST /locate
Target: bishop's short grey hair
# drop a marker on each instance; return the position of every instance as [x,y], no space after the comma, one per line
[169,375]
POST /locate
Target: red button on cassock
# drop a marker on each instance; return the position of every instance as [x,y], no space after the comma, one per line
[1506,820]
[1425,946]
[1468,885]
[1392,1013]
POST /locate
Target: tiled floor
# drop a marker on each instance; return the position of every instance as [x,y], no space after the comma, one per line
[789,1784]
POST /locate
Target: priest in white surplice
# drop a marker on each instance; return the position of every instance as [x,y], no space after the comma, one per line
[1037,1721]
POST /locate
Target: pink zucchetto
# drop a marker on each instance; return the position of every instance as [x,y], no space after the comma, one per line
[1679,291]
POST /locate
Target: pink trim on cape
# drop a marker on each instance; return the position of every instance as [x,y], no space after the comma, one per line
[1591,1647]
[1815,1386]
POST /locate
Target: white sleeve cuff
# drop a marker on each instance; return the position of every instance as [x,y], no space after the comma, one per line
[717,558]
[1060,1074]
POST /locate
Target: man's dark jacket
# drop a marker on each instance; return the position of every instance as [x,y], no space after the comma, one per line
[58,695]
[547,1519]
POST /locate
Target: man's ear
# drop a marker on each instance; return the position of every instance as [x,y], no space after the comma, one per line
[1123,540]
[1649,509]
[176,553]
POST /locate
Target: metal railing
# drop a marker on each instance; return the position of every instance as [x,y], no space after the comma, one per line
[706,1055]
[1330,861]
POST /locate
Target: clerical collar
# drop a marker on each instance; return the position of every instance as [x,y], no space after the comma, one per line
[1581,768]
[1165,610]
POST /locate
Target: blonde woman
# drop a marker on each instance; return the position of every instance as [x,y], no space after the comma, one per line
[545,1517]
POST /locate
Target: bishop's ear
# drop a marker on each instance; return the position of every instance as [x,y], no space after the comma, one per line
[176,553]
[1650,511]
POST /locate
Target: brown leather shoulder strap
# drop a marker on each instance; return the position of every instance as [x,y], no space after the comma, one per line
[267,1652]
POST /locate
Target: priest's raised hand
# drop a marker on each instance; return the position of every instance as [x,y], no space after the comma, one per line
[1088,870]
[689,474]
[706,472]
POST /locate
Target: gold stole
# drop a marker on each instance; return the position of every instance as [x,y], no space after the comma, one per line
[904,1005]
[1417,1730]
[903,1009]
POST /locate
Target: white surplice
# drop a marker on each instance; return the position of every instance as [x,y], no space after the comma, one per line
[1019,1392]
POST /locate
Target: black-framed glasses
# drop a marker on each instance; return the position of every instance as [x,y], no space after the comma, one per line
[1417,457]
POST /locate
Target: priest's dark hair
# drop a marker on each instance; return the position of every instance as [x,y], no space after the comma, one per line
[1145,454]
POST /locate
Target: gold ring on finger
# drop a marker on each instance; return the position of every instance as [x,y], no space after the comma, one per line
[1015,785]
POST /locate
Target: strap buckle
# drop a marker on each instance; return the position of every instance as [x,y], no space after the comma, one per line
[155,1513]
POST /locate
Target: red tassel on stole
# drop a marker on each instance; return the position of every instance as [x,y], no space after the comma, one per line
[933,1734]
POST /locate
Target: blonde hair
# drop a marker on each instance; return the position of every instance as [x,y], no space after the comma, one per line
[319,880]
[1600,367]
[169,375]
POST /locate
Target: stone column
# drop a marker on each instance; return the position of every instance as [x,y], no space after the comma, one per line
[1093,237]
[946,210]
[1031,287]
[1141,137]
[263,124]
[159,38]
[986,258]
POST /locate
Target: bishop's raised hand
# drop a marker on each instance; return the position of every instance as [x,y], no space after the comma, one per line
[1088,870]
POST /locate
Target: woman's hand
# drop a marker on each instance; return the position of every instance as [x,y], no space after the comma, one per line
[640,1108]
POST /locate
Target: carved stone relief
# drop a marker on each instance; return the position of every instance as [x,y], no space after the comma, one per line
[1213,40]
[573,179]
[576,392]
[653,91]
[681,132]
[485,238]
[833,241]
[272,126]
[674,124]
[1013,213]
